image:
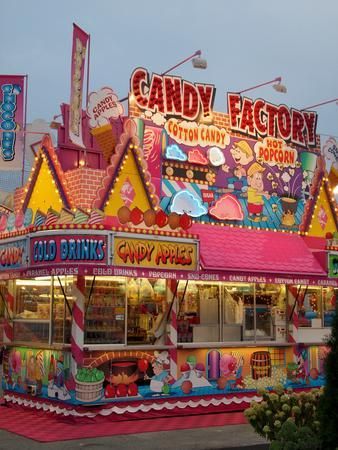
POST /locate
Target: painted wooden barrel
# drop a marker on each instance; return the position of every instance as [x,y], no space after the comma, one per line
[260,363]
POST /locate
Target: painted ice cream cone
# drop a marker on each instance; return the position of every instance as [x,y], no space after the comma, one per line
[106,140]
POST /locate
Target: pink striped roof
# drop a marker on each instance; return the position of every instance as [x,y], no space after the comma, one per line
[225,248]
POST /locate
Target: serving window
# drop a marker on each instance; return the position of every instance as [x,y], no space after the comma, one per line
[43,308]
[315,305]
[123,310]
[225,312]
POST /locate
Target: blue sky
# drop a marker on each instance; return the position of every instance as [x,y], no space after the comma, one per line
[245,43]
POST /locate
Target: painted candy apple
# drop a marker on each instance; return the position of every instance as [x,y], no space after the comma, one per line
[185,221]
[161,219]
[174,220]
[123,214]
[149,217]
[136,216]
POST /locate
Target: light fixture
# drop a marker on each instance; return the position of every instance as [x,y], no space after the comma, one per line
[278,86]
[335,192]
[321,104]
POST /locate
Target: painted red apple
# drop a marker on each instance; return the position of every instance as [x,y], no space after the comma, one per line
[136,216]
[329,236]
[185,221]
[109,392]
[132,390]
[161,219]
[121,390]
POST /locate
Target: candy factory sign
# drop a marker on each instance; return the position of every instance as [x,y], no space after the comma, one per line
[155,254]
[68,249]
[260,119]
[171,96]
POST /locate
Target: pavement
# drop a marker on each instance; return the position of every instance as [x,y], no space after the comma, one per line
[229,437]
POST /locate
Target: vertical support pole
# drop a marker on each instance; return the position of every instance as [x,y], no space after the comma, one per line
[293,298]
[77,336]
[172,335]
[9,310]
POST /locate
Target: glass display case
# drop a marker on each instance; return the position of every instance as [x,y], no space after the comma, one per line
[32,316]
[105,310]
[62,301]
[147,306]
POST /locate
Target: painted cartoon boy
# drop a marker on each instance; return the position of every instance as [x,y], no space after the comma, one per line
[242,153]
[256,192]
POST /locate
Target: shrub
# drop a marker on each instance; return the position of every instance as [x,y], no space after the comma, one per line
[268,416]
[291,437]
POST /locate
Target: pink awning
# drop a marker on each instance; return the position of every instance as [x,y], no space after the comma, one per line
[239,249]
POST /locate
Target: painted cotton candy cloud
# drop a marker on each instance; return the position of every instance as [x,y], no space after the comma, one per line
[227,207]
[195,156]
[216,156]
[174,152]
[184,202]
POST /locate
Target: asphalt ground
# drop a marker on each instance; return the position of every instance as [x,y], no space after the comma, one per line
[229,437]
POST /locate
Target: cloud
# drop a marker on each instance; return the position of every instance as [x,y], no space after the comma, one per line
[174,152]
[102,106]
[216,156]
[158,119]
[197,157]
[227,207]
[185,202]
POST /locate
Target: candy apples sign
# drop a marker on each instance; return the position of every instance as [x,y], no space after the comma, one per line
[262,119]
[171,96]
[102,106]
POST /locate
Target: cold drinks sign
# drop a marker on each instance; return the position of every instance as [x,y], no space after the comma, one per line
[69,249]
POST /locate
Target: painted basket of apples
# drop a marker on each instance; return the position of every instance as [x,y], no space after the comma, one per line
[89,385]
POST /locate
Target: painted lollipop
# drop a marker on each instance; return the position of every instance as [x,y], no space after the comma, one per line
[28,217]
[3,222]
[11,222]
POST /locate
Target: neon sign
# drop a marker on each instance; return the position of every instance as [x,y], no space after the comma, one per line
[170,95]
[261,118]
[7,117]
